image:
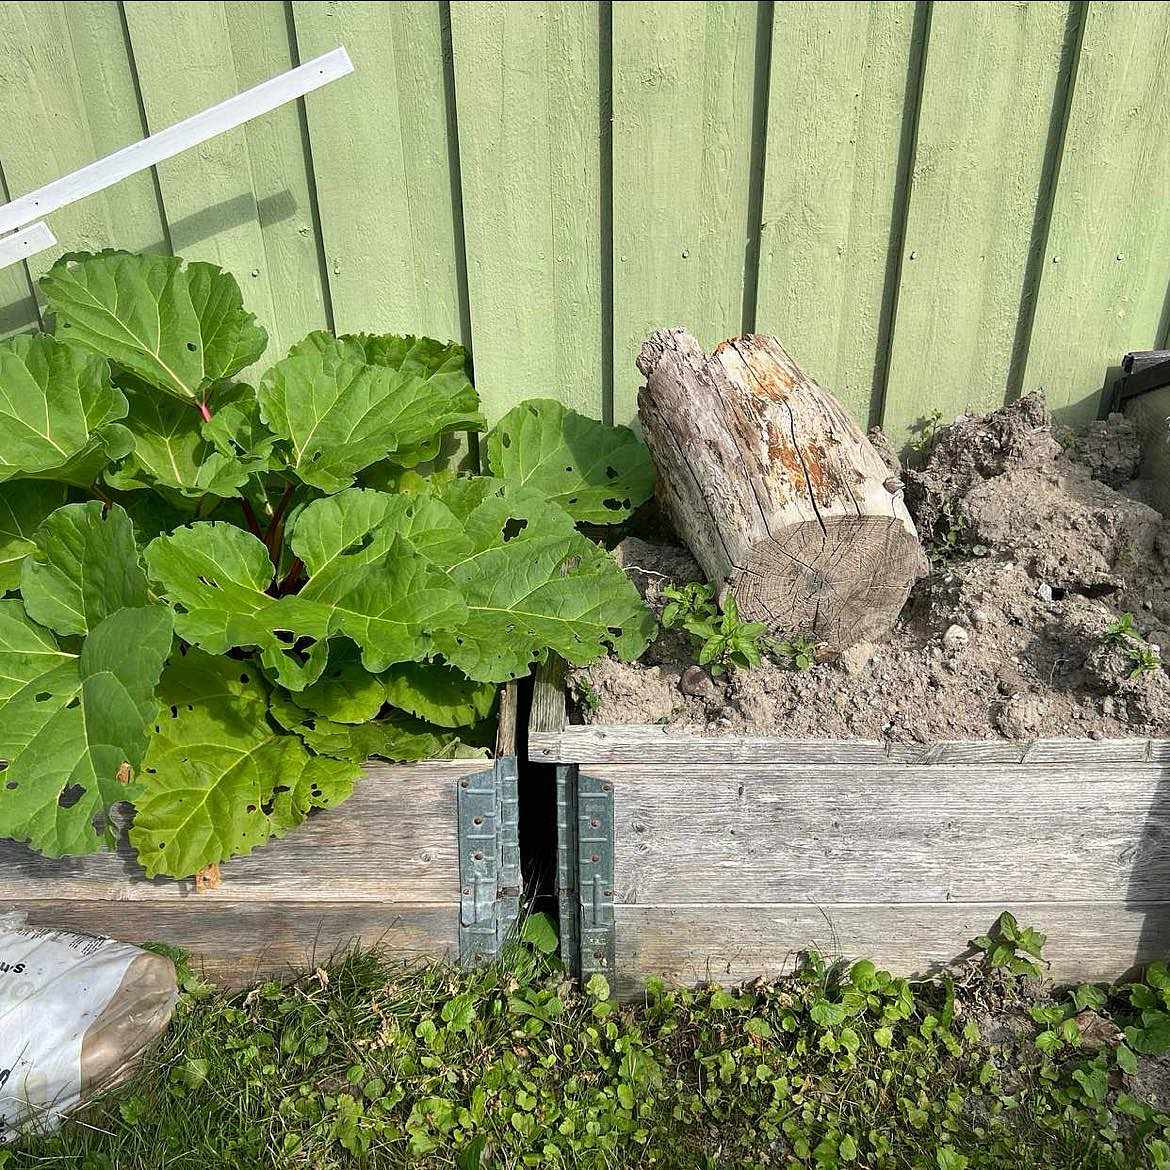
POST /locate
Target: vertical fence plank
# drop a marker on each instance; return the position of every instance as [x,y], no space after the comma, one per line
[840,117]
[183,54]
[67,80]
[1103,288]
[381,158]
[978,204]
[281,176]
[683,93]
[527,91]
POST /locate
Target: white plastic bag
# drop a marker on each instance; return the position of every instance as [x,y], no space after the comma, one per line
[76,1012]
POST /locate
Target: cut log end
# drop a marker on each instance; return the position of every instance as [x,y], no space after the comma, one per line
[775,488]
[842,580]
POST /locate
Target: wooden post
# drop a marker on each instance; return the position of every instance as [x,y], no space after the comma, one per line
[782,499]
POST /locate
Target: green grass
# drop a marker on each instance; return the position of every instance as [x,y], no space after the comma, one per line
[369,1063]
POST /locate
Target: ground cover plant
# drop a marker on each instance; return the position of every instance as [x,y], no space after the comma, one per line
[221,598]
[365,1062]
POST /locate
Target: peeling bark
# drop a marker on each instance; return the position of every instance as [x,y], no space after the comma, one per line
[778,493]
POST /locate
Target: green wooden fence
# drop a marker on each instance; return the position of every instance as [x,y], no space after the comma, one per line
[933,205]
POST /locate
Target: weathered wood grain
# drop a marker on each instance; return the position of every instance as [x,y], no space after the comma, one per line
[527,84]
[730,944]
[236,943]
[839,127]
[973,234]
[684,91]
[639,743]
[774,488]
[757,834]
[394,840]
[547,715]
[1104,278]
[382,162]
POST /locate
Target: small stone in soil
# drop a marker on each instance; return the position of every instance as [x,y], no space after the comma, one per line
[695,681]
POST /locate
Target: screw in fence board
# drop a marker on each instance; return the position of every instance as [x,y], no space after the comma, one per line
[595,875]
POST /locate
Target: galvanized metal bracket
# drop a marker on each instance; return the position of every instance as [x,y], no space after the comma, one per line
[567,865]
[489,860]
[597,935]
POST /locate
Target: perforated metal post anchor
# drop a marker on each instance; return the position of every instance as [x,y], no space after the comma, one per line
[595,875]
[489,860]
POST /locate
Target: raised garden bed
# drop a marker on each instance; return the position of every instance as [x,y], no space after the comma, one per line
[423,858]
[694,857]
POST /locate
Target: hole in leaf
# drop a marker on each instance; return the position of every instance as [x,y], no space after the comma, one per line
[568,469]
[244,678]
[505,440]
[192,346]
[3,765]
[42,696]
[75,701]
[251,808]
[611,473]
[616,505]
[174,712]
[11,786]
[512,528]
[210,582]
[70,795]
[286,636]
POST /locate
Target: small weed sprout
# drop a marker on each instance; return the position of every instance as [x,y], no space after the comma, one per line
[586,695]
[797,653]
[1011,947]
[1144,658]
[724,639]
[925,431]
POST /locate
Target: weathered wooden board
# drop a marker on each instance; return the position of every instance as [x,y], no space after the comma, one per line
[206,193]
[757,834]
[235,943]
[1104,277]
[979,194]
[527,85]
[382,159]
[840,124]
[684,96]
[731,944]
[553,742]
[394,840]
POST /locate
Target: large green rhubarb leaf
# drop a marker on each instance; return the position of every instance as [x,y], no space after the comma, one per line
[85,568]
[177,327]
[346,692]
[175,449]
[397,736]
[532,584]
[595,472]
[58,412]
[216,576]
[342,408]
[73,728]
[439,694]
[24,503]
[218,778]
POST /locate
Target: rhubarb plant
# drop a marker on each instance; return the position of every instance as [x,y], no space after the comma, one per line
[221,596]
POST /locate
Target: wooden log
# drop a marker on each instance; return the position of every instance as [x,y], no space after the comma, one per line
[782,499]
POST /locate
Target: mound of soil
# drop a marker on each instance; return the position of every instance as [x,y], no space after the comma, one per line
[1040,540]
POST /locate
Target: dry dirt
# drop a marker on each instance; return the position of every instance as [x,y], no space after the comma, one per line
[1046,542]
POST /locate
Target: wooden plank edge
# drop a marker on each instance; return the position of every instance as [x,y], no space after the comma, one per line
[638,743]
[549,715]
[236,944]
[731,945]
